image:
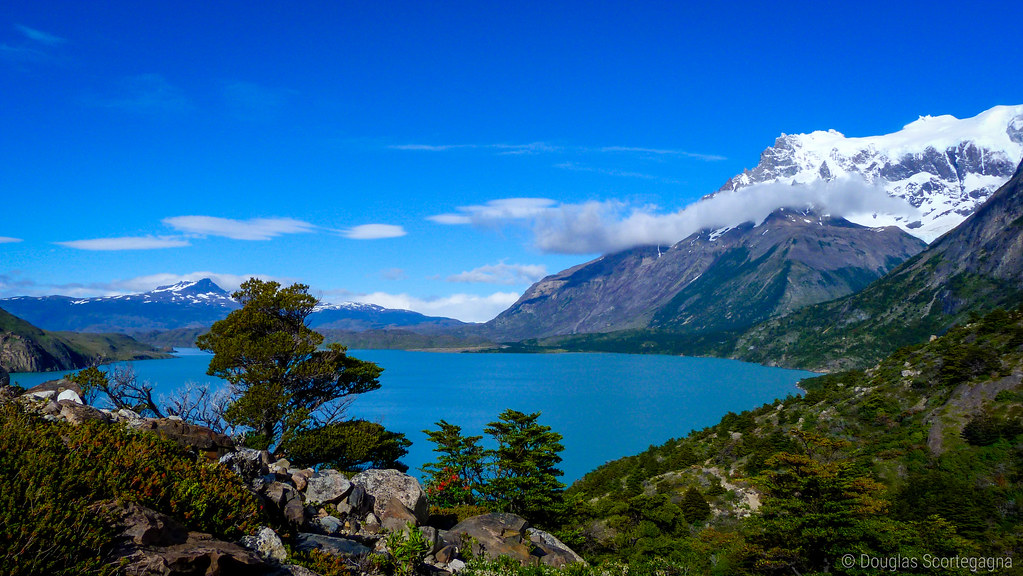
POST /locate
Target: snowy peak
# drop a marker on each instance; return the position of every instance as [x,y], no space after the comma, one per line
[195,288]
[942,166]
[348,307]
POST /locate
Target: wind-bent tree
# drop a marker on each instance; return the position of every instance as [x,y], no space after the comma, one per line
[287,389]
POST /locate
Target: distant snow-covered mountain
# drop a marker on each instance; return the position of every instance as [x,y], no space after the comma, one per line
[195,304]
[943,166]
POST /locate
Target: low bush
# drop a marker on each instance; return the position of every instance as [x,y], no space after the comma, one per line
[56,471]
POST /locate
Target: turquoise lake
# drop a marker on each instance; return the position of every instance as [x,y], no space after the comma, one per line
[606,405]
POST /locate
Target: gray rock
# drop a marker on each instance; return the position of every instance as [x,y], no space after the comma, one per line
[306,542]
[446,554]
[497,535]
[328,525]
[456,565]
[380,485]
[554,552]
[326,487]
[248,464]
[394,516]
[77,413]
[267,544]
[70,395]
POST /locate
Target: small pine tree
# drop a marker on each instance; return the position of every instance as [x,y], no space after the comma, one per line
[526,457]
[694,506]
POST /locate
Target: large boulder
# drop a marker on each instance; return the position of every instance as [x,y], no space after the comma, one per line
[497,535]
[250,465]
[51,388]
[383,485]
[267,544]
[552,552]
[213,444]
[326,487]
[154,544]
[510,535]
[77,413]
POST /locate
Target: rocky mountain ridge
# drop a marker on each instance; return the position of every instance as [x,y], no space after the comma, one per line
[713,280]
[972,269]
[943,166]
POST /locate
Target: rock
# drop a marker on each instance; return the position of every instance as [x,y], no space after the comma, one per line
[295,570]
[203,555]
[267,544]
[357,498]
[456,565]
[371,523]
[69,395]
[299,481]
[383,484]
[146,527]
[326,487]
[5,378]
[250,465]
[497,535]
[554,552]
[214,444]
[77,413]
[394,516]
[446,554]
[328,525]
[306,542]
[55,386]
[432,537]
[287,501]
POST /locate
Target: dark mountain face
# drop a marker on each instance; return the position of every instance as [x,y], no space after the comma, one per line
[975,267]
[357,317]
[709,281]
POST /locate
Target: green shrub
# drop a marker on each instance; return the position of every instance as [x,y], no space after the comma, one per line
[57,471]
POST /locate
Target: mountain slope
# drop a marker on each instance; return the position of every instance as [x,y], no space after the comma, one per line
[710,281]
[935,429]
[976,267]
[943,166]
[26,348]
[358,317]
[181,305]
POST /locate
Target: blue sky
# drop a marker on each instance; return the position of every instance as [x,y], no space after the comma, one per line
[415,154]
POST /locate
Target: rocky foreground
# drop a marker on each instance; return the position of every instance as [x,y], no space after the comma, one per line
[347,519]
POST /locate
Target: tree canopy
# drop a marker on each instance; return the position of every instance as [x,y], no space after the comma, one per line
[287,388]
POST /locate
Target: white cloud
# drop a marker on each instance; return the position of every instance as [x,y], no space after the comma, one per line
[611,225]
[253,229]
[40,36]
[464,307]
[502,273]
[613,172]
[374,232]
[8,239]
[496,211]
[127,243]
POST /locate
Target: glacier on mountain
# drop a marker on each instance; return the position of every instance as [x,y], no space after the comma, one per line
[943,166]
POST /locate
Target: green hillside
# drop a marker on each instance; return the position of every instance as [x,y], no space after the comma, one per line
[921,454]
[26,348]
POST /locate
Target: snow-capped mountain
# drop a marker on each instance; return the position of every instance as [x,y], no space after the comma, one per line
[943,166]
[358,316]
[182,305]
[191,304]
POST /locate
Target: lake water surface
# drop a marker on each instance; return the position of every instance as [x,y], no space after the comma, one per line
[606,405]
